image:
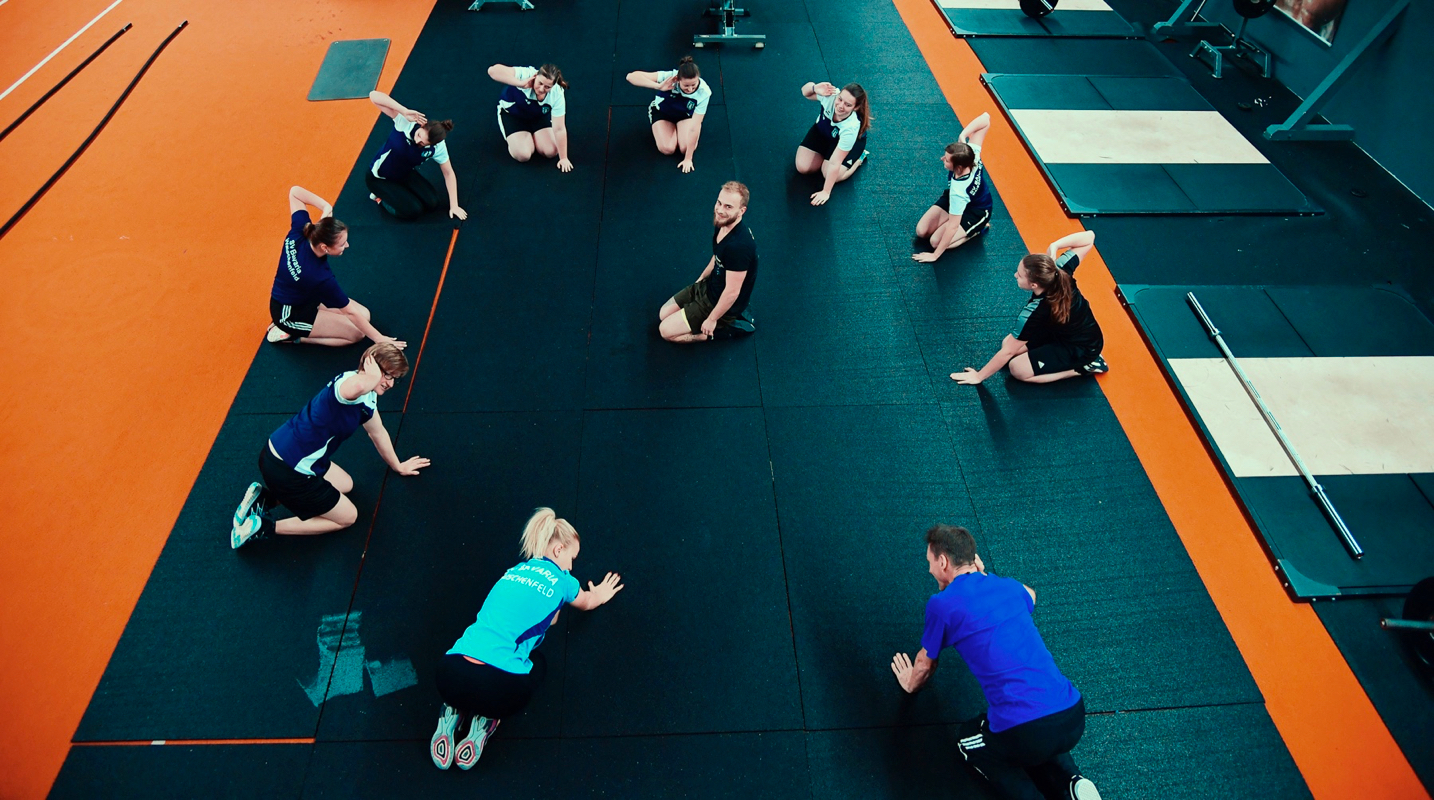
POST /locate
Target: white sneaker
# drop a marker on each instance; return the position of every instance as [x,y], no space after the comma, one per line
[441,746]
[274,335]
[245,530]
[251,496]
[471,746]
[1083,789]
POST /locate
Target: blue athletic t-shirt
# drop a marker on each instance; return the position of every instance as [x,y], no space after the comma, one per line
[400,154]
[304,277]
[675,101]
[310,437]
[987,619]
[516,615]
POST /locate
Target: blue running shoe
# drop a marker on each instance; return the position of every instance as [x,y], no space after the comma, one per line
[441,746]
[471,747]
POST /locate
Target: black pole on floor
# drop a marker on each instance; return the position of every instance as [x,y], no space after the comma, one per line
[12,126]
[1355,551]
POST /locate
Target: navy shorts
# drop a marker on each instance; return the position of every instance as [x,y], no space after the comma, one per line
[509,124]
[824,146]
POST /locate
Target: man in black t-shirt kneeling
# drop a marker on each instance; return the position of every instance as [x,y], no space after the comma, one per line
[715,307]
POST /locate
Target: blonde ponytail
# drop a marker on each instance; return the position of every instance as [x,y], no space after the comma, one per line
[540,530]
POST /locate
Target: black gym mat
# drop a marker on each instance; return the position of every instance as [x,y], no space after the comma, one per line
[706,766]
[1398,684]
[1213,751]
[350,70]
[226,644]
[152,772]
[662,489]
[393,271]
[439,544]
[1062,56]
[1012,22]
[1388,514]
[1092,189]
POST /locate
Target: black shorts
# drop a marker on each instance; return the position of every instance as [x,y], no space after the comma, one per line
[308,496]
[509,124]
[697,307]
[656,114]
[1053,357]
[483,690]
[974,221]
[824,146]
[295,320]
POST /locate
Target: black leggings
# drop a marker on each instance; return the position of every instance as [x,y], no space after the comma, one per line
[482,690]
[1030,760]
[406,197]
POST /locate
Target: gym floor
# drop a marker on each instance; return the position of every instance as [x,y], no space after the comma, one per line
[764,499]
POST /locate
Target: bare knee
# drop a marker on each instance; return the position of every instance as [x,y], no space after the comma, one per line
[521,154]
[667,148]
[345,514]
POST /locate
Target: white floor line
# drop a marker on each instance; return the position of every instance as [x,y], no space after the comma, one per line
[57,50]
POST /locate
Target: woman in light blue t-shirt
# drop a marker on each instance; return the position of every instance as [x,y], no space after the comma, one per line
[490,673]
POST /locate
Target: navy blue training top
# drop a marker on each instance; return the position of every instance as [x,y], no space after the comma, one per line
[987,619]
[400,154]
[303,276]
[308,439]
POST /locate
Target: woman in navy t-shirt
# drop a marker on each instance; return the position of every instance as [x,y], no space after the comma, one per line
[491,671]
[307,304]
[1056,335]
[835,145]
[533,112]
[393,179]
[677,111]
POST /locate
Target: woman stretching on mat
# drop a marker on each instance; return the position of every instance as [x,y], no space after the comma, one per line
[295,462]
[491,671]
[677,111]
[835,145]
[306,303]
[963,211]
[394,181]
[533,111]
[1056,335]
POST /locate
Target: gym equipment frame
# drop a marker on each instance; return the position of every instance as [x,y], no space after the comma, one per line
[727,15]
[523,5]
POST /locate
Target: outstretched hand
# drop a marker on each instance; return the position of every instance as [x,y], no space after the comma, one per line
[967,377]
[820,198]
[924,258]
[603,592]
[415,116]
[666,86]
[412,466]
[825,89]
[390,340]
[457,211]
[686,166]
[565,165]
[904,670]
[371,369]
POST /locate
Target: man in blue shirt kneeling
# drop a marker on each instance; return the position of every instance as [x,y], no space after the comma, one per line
[1035,716]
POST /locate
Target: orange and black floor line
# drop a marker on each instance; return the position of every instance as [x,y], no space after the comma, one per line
[764,499]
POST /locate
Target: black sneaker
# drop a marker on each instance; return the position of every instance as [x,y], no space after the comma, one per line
[1095,367]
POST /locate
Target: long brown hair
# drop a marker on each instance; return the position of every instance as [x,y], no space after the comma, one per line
[552,73]
[961,155]
[863,106]
[1055,283]
[324,232]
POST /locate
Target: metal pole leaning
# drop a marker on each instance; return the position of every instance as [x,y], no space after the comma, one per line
[1355,551]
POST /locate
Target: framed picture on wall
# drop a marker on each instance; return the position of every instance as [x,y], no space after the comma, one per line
[1319,17]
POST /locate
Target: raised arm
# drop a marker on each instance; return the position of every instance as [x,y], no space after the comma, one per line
[814,91]
[975,133]
[503,73]
[1080,241]
[645,80]
[300,197]
[392,108]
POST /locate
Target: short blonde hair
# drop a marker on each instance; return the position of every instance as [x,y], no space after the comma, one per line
[740,189]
